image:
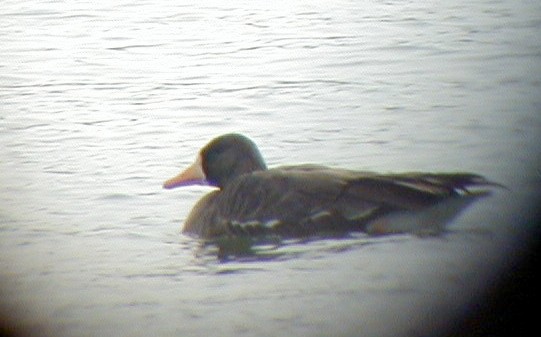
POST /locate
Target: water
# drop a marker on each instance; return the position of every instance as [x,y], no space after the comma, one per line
[102,101]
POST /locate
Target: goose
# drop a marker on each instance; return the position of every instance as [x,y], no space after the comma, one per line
[310,200]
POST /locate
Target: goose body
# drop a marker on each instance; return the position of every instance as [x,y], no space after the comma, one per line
[308,200]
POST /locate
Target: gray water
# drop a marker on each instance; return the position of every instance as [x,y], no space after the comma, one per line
[101,101]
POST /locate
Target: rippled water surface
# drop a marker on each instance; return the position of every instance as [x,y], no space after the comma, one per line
[101,101]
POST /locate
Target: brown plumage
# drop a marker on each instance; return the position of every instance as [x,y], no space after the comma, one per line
[307,200]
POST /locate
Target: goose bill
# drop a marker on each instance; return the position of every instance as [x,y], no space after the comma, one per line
[193,175]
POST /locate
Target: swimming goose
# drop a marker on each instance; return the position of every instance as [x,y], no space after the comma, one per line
[310,200]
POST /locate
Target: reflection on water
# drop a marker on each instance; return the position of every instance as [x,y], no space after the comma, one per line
[247,249]
[103,101]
